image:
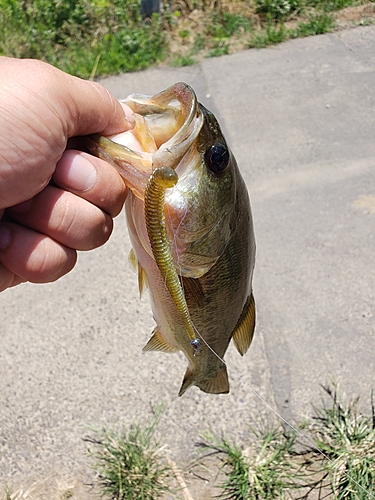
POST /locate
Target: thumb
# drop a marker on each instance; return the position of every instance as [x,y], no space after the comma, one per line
[91,108]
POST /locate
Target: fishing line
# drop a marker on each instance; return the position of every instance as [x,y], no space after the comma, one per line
[178,265]
[207,344]
[308,441]
[265,403]
[278,415]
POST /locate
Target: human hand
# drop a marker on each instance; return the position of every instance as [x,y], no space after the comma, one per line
[53,201]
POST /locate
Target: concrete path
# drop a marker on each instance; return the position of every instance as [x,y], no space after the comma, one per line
[300,118]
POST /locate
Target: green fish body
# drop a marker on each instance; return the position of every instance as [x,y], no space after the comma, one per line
[207,227]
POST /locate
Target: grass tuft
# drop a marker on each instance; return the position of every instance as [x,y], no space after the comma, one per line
[275,465]
[347,438]
[262,471]
[316,25]
[272,35]
[129,465]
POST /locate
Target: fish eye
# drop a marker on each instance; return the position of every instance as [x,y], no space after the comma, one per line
[217,158]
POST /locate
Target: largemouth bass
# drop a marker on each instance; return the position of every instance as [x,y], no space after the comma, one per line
[191,229]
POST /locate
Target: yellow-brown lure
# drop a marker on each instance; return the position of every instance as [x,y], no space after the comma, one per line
[161,179]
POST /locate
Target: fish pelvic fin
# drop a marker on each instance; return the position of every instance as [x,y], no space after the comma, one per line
[157,343]
[216,385]
[142,278]
[244,331]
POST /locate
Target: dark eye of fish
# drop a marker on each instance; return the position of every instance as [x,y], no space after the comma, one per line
[217,158]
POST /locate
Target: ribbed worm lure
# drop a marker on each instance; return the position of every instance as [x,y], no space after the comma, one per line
[161,179]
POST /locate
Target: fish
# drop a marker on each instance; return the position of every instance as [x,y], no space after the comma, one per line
[191,229]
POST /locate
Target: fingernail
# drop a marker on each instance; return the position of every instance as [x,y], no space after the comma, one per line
[4,237]
[74,171]
[129,115]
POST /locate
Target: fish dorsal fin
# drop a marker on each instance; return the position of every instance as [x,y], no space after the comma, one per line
[142,278]
[157,343]
[244,331]
[216,385]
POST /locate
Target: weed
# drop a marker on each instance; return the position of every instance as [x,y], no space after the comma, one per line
[278,9]
[92,38]
[275,465]
[128,464]
[273,34]
[220,48]
[332,5]
[225,24]
[199,42]
[71,34]
[317,24]
[263,471]
[183,61]
[184,33]
[347,438]
[365,22]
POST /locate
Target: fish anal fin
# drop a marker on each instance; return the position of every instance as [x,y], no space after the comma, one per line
[157,343]
[216,385]
[188,381]
[244,331]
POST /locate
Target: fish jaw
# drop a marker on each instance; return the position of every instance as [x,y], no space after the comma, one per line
[135,168]
[166,125]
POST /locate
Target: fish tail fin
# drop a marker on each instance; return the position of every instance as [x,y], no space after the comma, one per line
[216,385]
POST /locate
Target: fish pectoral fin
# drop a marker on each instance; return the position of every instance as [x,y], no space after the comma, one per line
[244,331]
[136,266]
[216,385]
[157,343]
[192,290]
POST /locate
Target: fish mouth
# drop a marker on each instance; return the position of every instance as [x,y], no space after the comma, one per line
[166,125]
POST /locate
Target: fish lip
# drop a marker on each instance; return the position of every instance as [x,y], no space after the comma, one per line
[171,152]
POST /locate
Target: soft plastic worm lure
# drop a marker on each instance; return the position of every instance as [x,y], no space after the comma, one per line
[161,179]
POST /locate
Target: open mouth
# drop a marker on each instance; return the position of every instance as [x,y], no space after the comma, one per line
[165,127]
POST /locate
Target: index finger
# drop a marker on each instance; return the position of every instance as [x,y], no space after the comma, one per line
[92,179]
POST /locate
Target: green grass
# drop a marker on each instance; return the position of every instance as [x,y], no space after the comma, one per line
[129,465]
[273,34]
[274,465]
[262,471]
[279,9]
[347,438]
[79,36]
[265,470]
[183,61]
[92,38]
[316,25]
